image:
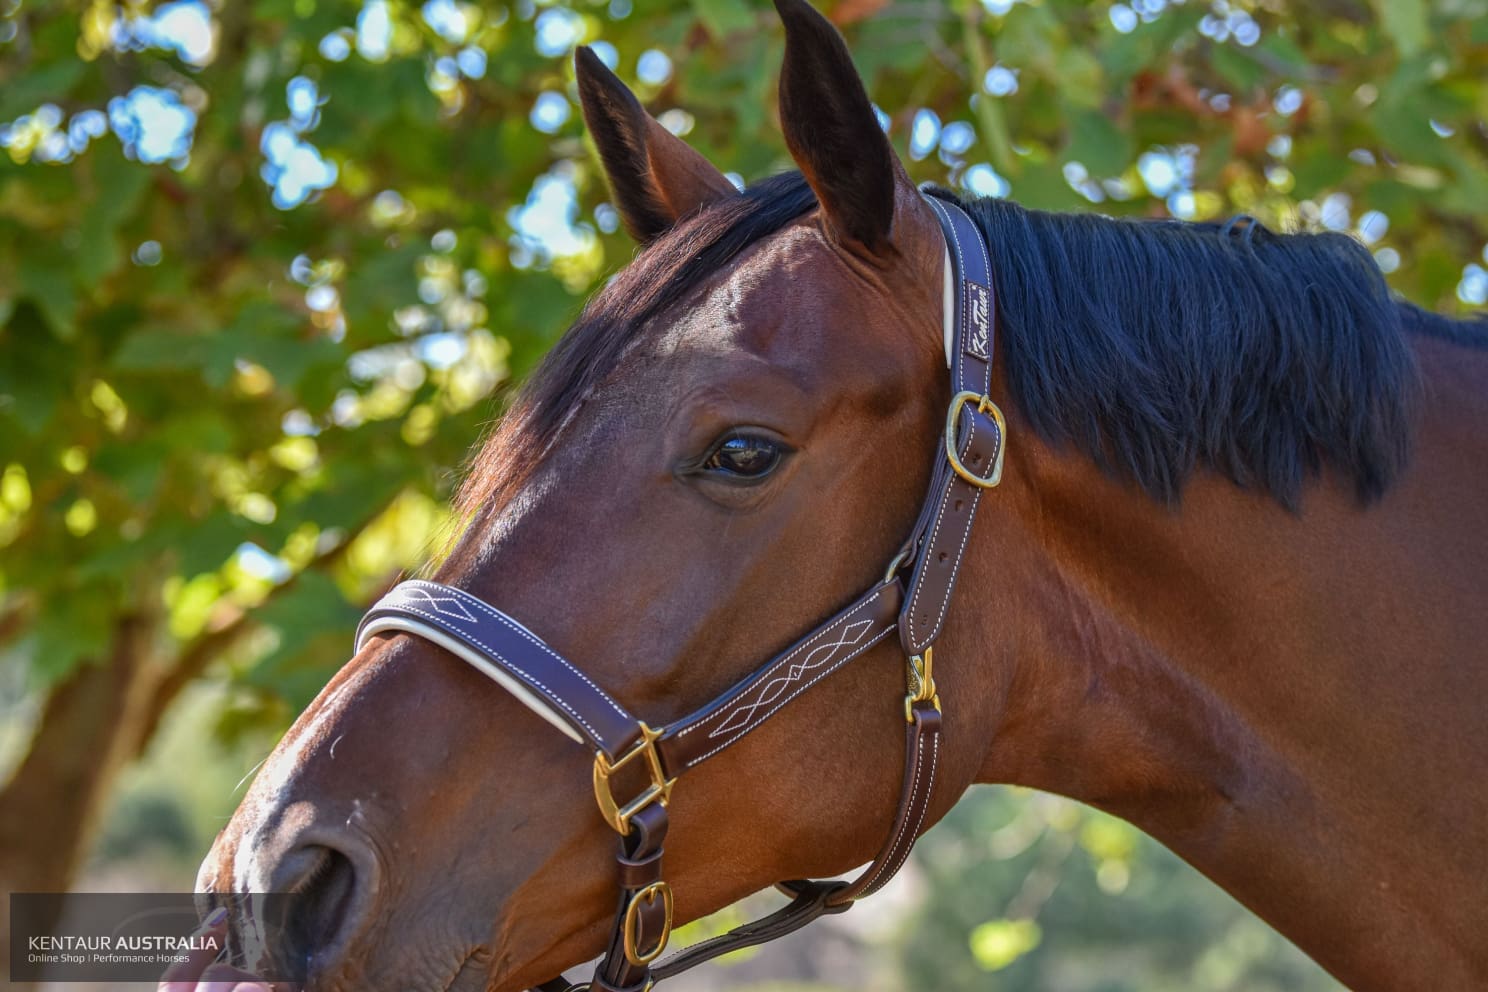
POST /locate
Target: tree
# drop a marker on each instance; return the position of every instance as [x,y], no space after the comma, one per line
[264,266]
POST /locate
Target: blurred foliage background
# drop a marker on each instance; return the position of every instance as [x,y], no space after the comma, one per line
[268,268]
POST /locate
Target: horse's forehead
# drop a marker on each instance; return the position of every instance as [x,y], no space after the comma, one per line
[757,305]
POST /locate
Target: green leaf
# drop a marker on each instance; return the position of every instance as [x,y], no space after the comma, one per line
[723,17]
[351,495]
[311,620]
[162,350]
[1097,143]
[1239,69]
[119,186]
[205,547]
[50,286]
[1285,53]
[1405,22]
[34,377]
[1319,173]
[135,467]
[1082,77]
[1045,188]
[73,628]
[23,92]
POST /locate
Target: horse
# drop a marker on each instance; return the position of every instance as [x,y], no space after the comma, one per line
[1232,587]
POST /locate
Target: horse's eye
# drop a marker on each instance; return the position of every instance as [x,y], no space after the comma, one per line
[744,456]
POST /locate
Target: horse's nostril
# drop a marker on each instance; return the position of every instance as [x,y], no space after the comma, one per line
[318,897]
[294,870]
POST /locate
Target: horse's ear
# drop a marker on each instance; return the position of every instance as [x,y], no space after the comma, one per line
[832,130]
[655,177]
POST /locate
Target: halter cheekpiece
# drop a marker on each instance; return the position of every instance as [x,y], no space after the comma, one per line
[912,598]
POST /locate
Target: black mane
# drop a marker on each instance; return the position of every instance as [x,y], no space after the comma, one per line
[1158,346]
[1154,347]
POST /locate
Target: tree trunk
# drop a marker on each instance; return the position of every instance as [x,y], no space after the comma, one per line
[49,810]
[95,721]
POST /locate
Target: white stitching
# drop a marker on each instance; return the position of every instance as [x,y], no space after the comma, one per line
[763,697]
[518,629]
[870,602]
[914,791]
[929,548]
[924,808]
[976,499]
[871,886]
[970,440]
[783,661]
[986,261]
[992,309]
[777,707]
[498,656]
[940,208]
[982,247]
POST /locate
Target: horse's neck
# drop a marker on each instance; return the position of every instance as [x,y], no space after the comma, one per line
[1294,703]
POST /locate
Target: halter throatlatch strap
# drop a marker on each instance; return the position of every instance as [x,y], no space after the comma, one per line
[916,607]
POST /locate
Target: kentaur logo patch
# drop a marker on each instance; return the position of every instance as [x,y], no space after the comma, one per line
[979,312]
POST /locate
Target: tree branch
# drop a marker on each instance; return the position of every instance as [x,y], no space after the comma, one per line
[15,618]
[197,654]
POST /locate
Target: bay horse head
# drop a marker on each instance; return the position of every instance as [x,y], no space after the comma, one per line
[738,437]
[729,445]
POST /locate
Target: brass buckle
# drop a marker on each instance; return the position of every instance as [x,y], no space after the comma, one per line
[984,405]
[921,684]
[628,935]
[660,789]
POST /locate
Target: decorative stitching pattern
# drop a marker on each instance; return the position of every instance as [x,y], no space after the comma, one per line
[506,663]
[771,689]
[517,629]
[435,603]
[823,632]
[773,710]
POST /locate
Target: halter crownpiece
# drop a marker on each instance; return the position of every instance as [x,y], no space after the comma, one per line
[914,604]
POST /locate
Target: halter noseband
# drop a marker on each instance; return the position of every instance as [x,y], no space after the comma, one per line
[915,606]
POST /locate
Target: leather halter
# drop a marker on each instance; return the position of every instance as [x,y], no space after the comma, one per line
[914,604]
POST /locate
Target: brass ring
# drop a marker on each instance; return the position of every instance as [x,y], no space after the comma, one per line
[985,405]
[895,565]
[631,924]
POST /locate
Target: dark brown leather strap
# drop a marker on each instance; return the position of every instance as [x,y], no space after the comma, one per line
[921,760]
[644,918]
[488,639]
[695,738]
[976,426]
[810,899]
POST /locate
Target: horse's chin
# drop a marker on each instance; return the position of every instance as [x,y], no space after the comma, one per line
[472,977]
[434,971]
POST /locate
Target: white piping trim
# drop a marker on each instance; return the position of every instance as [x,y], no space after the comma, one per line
[475,659]
[948,302]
